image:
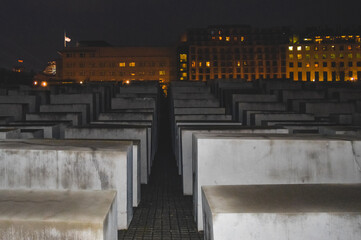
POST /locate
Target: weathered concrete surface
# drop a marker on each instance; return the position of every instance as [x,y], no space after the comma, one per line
[203,117]
[70,164]
[325,109]
[243,107]
[50,130]
[15,110]
[272,159]
[125,103]
[196,103]
[341,130]
[185,145]
[83,215]
[31,101]
[6,119]
[302,94]
[139,138]
[199,110]
[31,133]
[259,119]
[74,118]
[82,98]
[119,116]
[282,212]
[251,98]
[69,108]
[9,133]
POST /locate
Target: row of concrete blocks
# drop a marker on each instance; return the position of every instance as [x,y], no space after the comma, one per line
[226,153]
[75,170]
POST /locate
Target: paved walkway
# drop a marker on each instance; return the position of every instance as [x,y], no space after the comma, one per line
[164,213]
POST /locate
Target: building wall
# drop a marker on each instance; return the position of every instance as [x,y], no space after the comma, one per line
[118,63]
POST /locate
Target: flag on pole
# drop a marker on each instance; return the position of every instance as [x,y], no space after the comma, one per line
[67,39]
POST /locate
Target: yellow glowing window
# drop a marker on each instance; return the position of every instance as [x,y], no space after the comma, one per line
[133,74]
[227,39]
[316,64]
[307,65]
[181,78]
[316,48]
[238,63]
[200,64]
[132,64]
[308,56]
[341,55]
[324,56]
[193,64]
[358,55]
[349,47]
[208,64]
[290,56]
[220,38]
[290,48]
[315,56]
[299,56]
[161,72]
[122,64]
[349,55]
[242,38]
[333,56]
[184,65]
[308,48]
[184,74]
[299,48]
[183,57]
[245,63]
[333,48]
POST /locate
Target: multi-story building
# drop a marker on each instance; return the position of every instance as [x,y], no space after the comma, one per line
[325,58]
[98,61]
[233,52]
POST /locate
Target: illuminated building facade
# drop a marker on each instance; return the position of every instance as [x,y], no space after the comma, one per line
[98,61]
[233,52]
[325,58]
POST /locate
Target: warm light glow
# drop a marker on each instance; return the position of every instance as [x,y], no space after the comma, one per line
[35,83]
[183,57]
[299,56]
[20,61]
[208,64]
[290,48]
[307,48]
[132,64]
[307,65]
[200,64]
[352,79]
[299,48]
[193,64]
[133,74]
[161,72]
[227,39]
[122,64]
[313,80]
[44,84]
[242,38]
[238,63]
[81,82]
[220,38]
[127,81]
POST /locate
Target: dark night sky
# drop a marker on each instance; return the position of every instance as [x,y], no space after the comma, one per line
[33,29]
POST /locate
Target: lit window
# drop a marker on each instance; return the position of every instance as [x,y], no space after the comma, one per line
[316,64]
[299,56]
[193,64]
[308,56]
[290,56]
[307,65]
[307,48]
[242,38]
[299,48]
[349,47]
[183,57]
[238,63]
[133,74]
[333,56]
[162,73]
[341,55]
[132,64]
[349,55]
[290,48]
[220,38]
[358,55]
[184,74]
[333,48]
[316,48]
[227,39]
[315,56]
[324,56]
[122,64]
[208,64]
[200,64]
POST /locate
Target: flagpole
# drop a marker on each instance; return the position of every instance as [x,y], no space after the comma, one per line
[64,39]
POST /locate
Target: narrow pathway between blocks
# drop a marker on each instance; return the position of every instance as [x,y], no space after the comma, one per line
[164,213]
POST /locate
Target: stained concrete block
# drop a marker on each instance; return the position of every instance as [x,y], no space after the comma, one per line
[139,137]
[196,103]
[282,212]
[184,157]
[251,98]
[185,95]
[31,133]
[272,159]
[138,89]
[119,116]
[125,103]
[199,110]
[6,119]
[341,130]
[302,94]
[325,109]
[260,119]
[70,165]
[9,133]
[31,101]
[50,130]
[83,215]
[74,118]
[203,117]
[81,98]
[69,108]
[243,107]
[15,110]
